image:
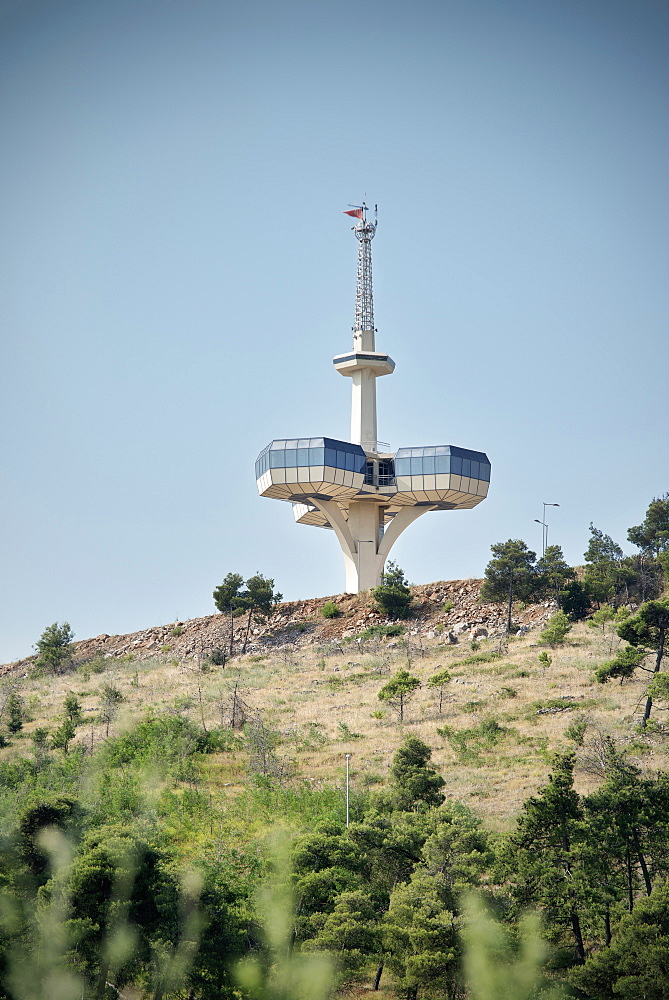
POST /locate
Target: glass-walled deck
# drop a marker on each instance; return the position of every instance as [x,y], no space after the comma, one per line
[290,453]
[442,460]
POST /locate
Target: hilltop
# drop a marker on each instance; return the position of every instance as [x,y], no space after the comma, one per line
[301,623]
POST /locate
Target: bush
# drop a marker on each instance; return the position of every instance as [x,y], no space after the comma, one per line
[545,659]
[622,666]
[556,630]
[330,610]
[15,713]
[394,595]
[381,631]
[576,730]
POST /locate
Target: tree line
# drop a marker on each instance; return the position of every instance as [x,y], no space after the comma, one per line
[99,899]
[515,574]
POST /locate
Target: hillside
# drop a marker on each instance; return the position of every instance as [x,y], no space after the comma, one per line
[316,683]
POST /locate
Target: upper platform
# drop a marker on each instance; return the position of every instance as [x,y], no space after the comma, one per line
[357,361]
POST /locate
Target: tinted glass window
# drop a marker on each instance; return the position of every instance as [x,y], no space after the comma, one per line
[402,466]
[330,456]
[303,456]
[428,466]
[416,466]
[456,465]
[290,457]
[276,459]
[316,456]
[475,469]
[442,464]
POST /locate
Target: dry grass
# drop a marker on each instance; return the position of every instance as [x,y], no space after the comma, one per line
[327,705]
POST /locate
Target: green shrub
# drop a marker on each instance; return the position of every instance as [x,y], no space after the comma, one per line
[545,659]
[575,731]
[330,610]
[382,631]
[479,658]
[346,734]
[623,664]
[97,665]
[556,630]
[15,713]
[393,596]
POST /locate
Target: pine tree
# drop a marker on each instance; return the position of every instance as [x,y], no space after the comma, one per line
[393,596]
[399,690]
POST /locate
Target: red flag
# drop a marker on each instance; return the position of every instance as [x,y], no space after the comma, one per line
[356,213]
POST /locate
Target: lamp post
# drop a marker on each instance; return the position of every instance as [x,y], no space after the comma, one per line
[348,757]
[545,526]
[544,529]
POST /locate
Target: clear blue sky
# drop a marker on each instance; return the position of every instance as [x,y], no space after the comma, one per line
[176,275]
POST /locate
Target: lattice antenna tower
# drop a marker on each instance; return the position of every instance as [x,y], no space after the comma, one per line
[365,230]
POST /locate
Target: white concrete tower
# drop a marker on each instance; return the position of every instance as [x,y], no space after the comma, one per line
[364,492]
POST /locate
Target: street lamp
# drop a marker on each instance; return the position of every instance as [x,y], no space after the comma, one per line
[348,757]
[545,530]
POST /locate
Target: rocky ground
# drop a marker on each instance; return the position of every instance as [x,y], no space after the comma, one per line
[300,623]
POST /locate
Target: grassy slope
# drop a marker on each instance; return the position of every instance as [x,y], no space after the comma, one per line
[327,705]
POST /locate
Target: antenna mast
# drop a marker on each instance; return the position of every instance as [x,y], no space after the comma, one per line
[364,230]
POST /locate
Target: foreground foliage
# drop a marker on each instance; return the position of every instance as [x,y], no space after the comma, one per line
[119,875]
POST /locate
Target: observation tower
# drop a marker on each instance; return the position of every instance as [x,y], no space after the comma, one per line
[361,489]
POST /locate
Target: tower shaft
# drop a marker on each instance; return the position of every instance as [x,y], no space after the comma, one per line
[363,409]
[364,364]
